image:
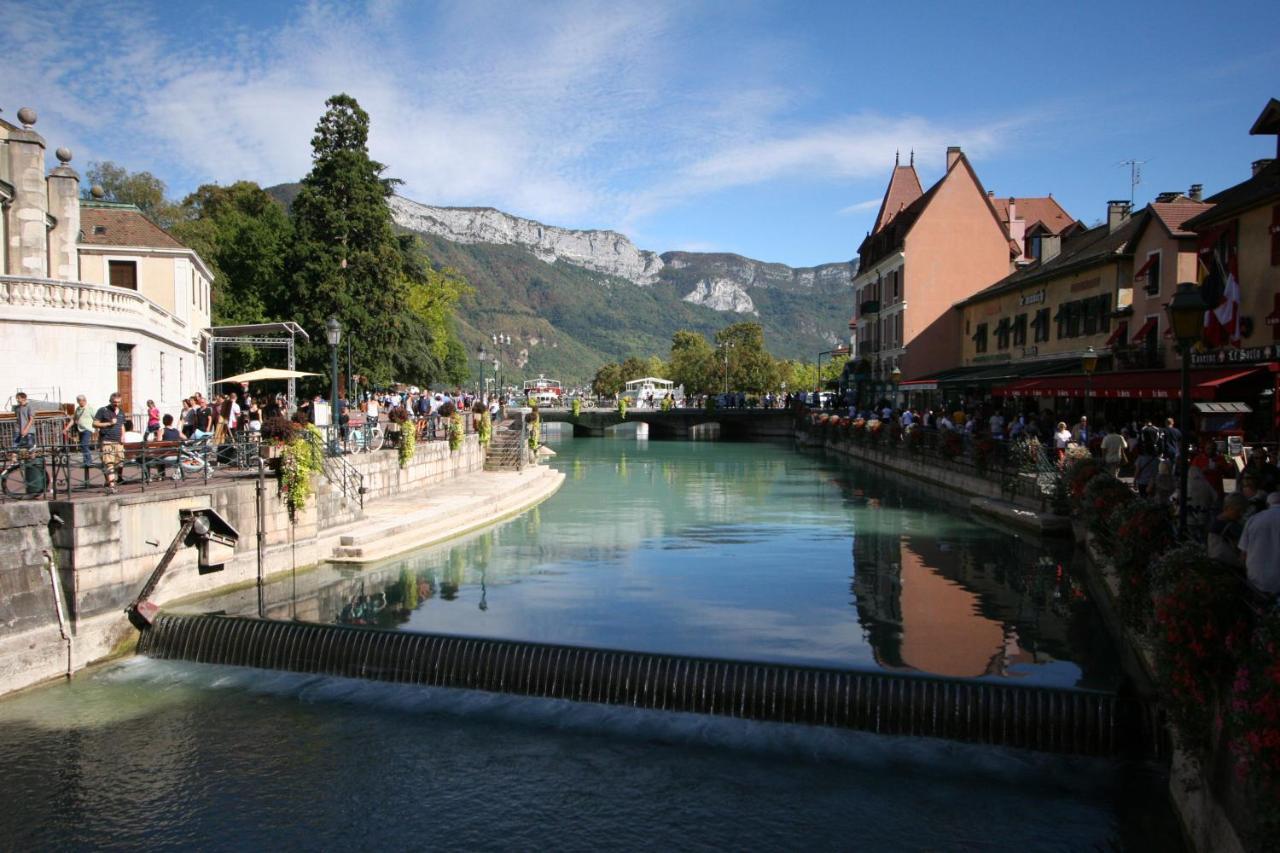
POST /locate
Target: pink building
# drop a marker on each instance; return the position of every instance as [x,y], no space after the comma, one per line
[928,250]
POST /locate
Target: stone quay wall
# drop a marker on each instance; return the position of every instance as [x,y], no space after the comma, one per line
[103,549]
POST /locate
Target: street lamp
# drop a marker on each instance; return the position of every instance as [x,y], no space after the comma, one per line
[727,345]
[1089,362]
[333,333]
[1186,315]
[896,376]
[481,356]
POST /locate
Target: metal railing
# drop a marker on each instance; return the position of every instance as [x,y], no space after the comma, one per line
[337,469]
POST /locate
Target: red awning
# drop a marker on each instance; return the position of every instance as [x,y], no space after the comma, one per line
[1142,270]
[1138,385]
[1118,334]
[1143,331]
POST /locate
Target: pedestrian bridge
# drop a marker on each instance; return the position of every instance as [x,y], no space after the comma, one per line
[730,424]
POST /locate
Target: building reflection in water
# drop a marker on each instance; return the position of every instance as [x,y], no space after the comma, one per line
[962,601]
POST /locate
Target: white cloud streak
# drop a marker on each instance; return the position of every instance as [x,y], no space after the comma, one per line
[568,112]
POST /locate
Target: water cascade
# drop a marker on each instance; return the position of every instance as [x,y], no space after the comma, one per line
[1040,718]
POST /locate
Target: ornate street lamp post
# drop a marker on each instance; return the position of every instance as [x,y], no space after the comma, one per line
[1186,315]
[1089,362]
[481,356]
[896,377]
[333,333]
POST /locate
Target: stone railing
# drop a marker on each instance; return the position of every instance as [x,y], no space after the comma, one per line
[19,293]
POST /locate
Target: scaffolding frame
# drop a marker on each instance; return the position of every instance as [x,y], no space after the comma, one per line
[258,335]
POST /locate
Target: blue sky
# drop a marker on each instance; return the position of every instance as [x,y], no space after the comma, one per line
[767,129]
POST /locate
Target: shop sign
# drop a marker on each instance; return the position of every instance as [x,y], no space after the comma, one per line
[1033,298]
[1231,355]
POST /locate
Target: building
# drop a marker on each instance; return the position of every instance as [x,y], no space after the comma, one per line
[1239,267]
[94,297]
[928,250]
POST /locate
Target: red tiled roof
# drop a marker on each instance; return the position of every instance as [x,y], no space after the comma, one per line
[904,188]
[1172,214]
[1045,210]
[122,226]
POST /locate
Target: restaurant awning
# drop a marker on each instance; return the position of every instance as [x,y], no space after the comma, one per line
[1145,268]
[1144,330]
[1224,408]
[1118,334]
[1137,385]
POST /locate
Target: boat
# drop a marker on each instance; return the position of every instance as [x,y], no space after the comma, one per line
[544,391]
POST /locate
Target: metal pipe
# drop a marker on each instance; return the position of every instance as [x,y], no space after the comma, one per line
[59,606]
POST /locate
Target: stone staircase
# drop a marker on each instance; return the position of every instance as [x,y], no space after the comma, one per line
[507,451]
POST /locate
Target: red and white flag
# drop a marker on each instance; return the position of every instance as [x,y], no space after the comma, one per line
[1220,287]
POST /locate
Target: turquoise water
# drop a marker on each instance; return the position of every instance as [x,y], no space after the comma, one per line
[744,551]
[738,550]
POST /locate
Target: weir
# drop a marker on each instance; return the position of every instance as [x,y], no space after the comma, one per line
[1039,718]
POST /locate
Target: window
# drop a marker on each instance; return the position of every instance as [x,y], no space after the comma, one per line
[1033,247]
[1089,314]
[897,278]
[1104,311]
[1041,325]
[1073,319]
[1020,330]
[123,274]
[1002,333]
[898,321]
[1153,274]
[980,338]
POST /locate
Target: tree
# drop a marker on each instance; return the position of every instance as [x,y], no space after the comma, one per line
[141,189]
[692,363]
[244,236]
[608,381]
[749,366]
[346,259]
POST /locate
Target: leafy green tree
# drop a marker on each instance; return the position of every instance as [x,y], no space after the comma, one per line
[692,363]
[608,380]
[244,235]
[141,189]
[803,375]
[750,367]
[346,259]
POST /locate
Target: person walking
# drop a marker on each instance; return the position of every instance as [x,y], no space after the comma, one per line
[81,424]
[153,421]
[1113,452]
[109,421]
[1260,544]
[1145,468]
[1061,438]
[24,437]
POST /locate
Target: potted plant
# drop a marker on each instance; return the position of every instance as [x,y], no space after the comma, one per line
[277,433]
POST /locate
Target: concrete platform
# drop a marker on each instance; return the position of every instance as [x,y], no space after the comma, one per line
[1041,523]
[395,526]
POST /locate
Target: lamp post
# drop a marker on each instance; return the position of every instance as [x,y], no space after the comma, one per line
[333,333]
[481,356]
[1089,362]
[896,376]
[1186,315]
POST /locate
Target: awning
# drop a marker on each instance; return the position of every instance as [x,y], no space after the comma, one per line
[1118,334]
[1144,330]
[1138,385]
[1223,408]
[918,385]
[1145,268]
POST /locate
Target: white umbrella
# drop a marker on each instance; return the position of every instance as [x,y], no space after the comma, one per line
[264,373]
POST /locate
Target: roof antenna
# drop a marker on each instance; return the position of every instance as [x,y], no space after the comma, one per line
[1135,175]
[913,157]
[895,158]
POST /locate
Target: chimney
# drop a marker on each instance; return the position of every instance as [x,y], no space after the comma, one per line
[1196,193]
[1117,214]
[1050,247]
[1166,197]
[28,249]
[953,154]
[1013,208]
[64,206]
[1259,165]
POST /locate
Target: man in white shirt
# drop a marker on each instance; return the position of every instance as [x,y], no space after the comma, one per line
[906,418]
[1260,544]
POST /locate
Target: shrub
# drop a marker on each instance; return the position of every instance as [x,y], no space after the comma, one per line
[408,444]
[398,415]
[1200,626]
[952,444]
[577,407]
[1102,496]
[1142,531]
[622,408]
[279,430]
[1253,717]
[456,428]
[1077,474]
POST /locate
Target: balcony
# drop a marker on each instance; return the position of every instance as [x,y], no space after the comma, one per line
[25,299]
[871,306]
[1130,357]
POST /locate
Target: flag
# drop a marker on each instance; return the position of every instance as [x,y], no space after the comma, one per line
[1220,286]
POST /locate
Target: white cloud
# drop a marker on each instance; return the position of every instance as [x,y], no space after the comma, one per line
[568,112]
[860,207]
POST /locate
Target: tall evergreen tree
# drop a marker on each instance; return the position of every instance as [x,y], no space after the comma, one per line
[346,259]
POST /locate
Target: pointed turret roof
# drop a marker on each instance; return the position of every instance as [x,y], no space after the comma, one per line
[904,188]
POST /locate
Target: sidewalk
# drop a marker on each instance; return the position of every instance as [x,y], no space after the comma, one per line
[442,512]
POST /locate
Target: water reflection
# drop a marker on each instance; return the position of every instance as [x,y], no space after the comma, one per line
[744,551]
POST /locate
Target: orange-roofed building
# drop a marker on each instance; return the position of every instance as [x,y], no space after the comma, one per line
[928,250]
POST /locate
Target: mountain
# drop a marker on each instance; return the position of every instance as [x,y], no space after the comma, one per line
[573,299]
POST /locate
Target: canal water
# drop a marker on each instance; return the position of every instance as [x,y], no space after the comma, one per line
[736,550]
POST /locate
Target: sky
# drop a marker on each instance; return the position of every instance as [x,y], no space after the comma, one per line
[763,128]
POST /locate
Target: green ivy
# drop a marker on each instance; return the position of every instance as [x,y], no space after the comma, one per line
[408,442]
[456,430]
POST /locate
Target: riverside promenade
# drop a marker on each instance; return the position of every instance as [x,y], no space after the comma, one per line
[68,569]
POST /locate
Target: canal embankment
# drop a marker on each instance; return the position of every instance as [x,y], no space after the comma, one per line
[68,569]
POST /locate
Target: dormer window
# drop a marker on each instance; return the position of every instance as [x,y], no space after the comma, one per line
[1033,247]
